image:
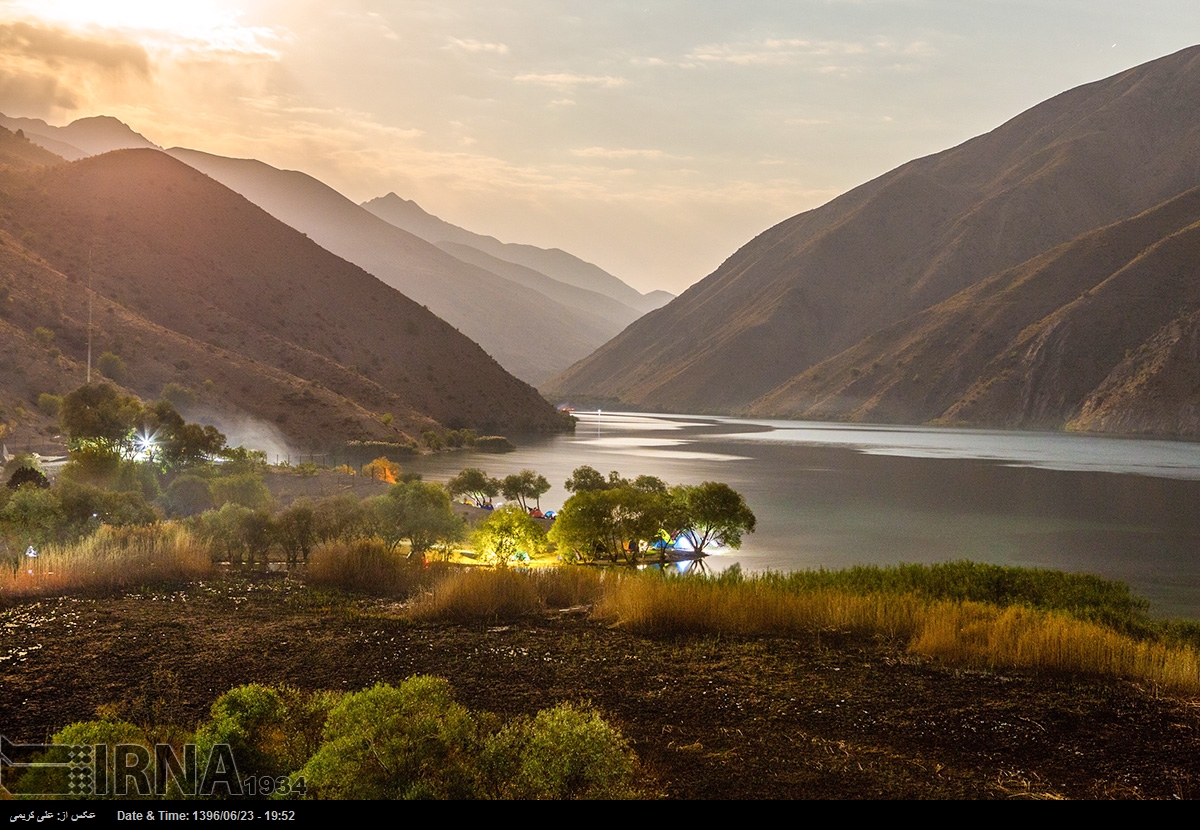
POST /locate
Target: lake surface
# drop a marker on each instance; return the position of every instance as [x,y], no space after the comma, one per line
[835,495]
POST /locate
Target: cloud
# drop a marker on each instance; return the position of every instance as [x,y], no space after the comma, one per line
[53,46]
[821,55]
[46,69]
[623,153]
[564,80]
[471,45]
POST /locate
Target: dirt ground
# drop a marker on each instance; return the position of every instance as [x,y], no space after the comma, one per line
[825,716]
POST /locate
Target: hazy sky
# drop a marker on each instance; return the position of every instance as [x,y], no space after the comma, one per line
[651,138]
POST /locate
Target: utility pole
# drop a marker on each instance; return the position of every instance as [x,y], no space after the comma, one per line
[89,362]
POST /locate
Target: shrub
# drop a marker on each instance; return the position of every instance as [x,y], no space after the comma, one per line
[561,753]
[271,732]
[52,776]
[409,742]
[112,367]
[187,495]
[49,405]
[478,595]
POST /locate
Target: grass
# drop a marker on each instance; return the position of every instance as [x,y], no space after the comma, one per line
[111,559]
[370,566]
[487,595]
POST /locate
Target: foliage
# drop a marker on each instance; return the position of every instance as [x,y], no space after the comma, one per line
[43,336]
[112,367]
[525,486]
[51,775]
[586,479]
[420,512]
[711,513]
[494,443]
[33,515]
[98,415]
[245,489]
[476,595]
[27,476]
[611,523]
[508,533]
[167,438]
[409,742]
[566,752]
[476,484]
[187,495]
[433,439]
[271,732]
[235,533]
[50,405]
[366,565]
[341,517]
[295,529]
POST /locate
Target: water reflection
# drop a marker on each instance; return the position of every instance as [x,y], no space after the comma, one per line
[832,495]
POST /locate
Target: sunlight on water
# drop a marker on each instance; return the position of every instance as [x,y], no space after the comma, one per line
[836,495]
[1050,451]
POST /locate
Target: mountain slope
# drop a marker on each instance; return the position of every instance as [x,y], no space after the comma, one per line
[530,334]
[1025,347]
[820,282]
[82,137]
[196,284]
[555,263]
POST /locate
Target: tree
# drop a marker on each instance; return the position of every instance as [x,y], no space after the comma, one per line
[711,513]
[99,416]
[585,479]
[383,469]
[475,483]
[613,523]
[295,529]
[420,512]
[523,486]
[509,531]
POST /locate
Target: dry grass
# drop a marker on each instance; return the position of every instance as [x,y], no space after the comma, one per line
[112,559]
[478,595]
[368,566]
[958,632]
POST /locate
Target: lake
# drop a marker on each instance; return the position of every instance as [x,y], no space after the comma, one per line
[835,495]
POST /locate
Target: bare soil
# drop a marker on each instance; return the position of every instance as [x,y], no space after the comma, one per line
[824,716]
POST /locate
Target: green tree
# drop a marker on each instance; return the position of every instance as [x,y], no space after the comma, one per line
[296,530]
[507,533]
[711,513]
[100,417]
[523,486]
[586,479]
[614,523]
[420,512]
[474,483]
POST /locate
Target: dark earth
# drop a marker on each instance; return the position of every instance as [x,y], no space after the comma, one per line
[824,716]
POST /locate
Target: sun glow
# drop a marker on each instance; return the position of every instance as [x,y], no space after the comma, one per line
[202,24]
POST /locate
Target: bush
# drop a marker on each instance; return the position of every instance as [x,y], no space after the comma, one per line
[187,495]
[53,776]
[561,753]
[271,732]
[112,367]
[49,405]
[409,742]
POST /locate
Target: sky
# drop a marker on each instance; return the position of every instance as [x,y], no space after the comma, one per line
[651,138]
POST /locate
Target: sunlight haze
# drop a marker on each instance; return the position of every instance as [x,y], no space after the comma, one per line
[651,139]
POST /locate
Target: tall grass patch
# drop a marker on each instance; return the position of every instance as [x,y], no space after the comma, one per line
[368,566]
[111,559]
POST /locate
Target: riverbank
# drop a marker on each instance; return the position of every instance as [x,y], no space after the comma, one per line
[825,714]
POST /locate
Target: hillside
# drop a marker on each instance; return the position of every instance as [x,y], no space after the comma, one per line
[199,287]
[836,279]
[1025,347]
[82,137]
[554,263]
[532,335]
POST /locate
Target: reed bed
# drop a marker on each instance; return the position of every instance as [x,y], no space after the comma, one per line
[369,566]
[111,559]
[492,595]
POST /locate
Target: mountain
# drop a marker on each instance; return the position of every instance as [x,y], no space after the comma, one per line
[915,267]
[555,263]
[197,286]
[531,334]
[18,152]
[81,138]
